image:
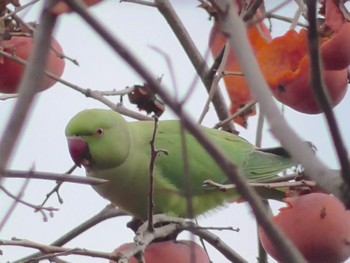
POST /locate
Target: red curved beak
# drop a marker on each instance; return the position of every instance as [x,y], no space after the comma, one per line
[78,149]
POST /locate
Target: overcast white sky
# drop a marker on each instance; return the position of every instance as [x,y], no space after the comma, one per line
[43,143]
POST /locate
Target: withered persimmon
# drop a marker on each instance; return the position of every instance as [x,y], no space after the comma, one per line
[236,85]
[11,72]
[318,225]
[61,7]
[170,252]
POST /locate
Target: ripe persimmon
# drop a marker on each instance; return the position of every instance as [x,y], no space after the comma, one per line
[319,226]
[11,72]
[170,252]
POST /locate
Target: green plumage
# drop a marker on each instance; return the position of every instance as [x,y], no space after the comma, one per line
[120,152]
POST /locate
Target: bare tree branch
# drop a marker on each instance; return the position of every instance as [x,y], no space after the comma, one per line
[110,211]
[166,9]
[54,177]
[95,94]
[140,2]
[221,246]
[57,188]
[54,251]
[276,185]
[18,199]
[14,204]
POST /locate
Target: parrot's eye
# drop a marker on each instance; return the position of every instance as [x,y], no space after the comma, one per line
[100,131]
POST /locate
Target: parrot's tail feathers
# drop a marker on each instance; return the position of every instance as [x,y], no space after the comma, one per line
[262,167]
[280,151]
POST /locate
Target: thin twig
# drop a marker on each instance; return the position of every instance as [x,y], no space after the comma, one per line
[217,228]
[154,154]
[295,19]
[194,55]
[226,187]
[218,244]
[53,251]
[186,173]
[16,200]
[242,110]
[251,12]
[120,92]
[19,9]
[285,19]
[262,255]
[57,188]
[215,83]
[140,2]
[36,207]
[301,5]
[54,177]
[267,14]
[259,130]
[170,69]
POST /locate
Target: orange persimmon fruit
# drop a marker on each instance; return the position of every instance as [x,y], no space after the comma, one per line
[236,85]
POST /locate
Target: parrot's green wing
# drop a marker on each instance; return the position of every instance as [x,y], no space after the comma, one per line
[256,165]
[113,149]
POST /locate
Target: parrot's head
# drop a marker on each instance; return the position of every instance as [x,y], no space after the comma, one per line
[98,139]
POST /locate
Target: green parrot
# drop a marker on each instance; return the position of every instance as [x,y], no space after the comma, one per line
[111,148]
